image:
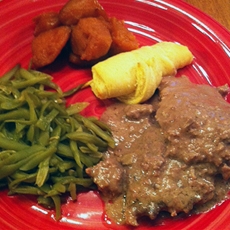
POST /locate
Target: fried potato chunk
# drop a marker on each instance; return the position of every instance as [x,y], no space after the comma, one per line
[74,10]
[48,45]
[90,39]
[90,35]
[46,21]
[123,39]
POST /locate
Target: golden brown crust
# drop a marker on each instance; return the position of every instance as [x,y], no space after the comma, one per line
[123,39]
[48,45]
[95,36]
[90,39]
[74,10]
[46,21]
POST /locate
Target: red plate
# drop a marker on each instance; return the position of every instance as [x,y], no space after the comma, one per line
[151,21]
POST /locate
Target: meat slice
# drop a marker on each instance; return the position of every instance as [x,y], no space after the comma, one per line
[108,176]
[195,120]
[171,155]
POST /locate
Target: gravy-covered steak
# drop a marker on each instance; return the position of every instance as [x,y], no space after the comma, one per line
[172,153]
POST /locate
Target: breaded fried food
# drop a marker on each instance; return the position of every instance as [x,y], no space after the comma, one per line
[94,37]
[90,39]
[46,21]
[74,10]
[48,45]
[123,39]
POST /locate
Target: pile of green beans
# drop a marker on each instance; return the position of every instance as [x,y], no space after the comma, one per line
[44,146]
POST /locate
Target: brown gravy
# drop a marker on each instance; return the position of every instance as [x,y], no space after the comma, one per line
[172,153]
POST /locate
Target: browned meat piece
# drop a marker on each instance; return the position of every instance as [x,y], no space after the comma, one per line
[112,173]
[77,9]
[48,45]
[46,21]
[174,156]
[202,127]
[123,39]
[223,90]
[90,39]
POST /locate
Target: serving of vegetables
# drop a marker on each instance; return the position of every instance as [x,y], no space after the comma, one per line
[44,146]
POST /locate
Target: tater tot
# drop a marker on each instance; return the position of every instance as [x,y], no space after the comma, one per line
[123,39]
[90,39]
[73,10]
[48,45]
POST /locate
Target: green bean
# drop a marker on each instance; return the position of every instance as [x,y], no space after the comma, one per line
[11,104]
[10,74]
[42,155]
[63,166]
[21,121]
[76,108]
[59,107]
[4,98]
[24,84]
[33,116]
[18,113]
[92,147]
[99,123]
[96,129]
[11,144]
[5,154]
[48,95]
[74,125]
[38,157]
[26,74]
[73,191]
[52,85]
[88,160]
[75,151]
[29,98]
[72,91]
[86,182]
[7,170]
[44,137]
[25,189]
[90,152]
[23,153]
[31,133]
[45,201]
[57,188]
[19,177]
[57,202]
[44,121]
[64,150]
[86,138]
[19,127]
[9,91]
[44,145]
[60,121]
[43,171]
